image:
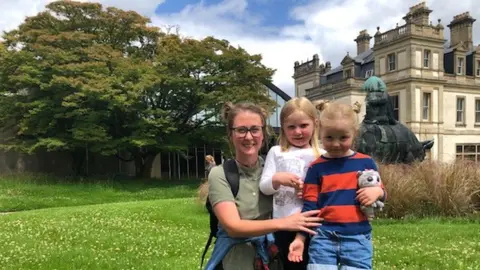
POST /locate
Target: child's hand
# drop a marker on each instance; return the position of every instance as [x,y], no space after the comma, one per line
[286,179]
[368,195]
[299,194]
[299,190]
[295,253]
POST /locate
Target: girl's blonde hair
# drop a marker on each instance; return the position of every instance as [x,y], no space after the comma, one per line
[330,111]
[306,106]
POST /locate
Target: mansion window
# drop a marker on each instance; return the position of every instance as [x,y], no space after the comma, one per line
[468,151]
[395,106]
[460,110]
[369,73]
[459,65]
[426,58]
[477,111]
[391,62]
[427,102]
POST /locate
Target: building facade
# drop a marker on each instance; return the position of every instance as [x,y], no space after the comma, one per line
[434,83]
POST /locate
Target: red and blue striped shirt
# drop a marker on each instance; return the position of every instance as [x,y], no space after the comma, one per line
[331,186]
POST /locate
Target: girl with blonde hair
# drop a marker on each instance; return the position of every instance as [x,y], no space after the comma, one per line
[286,165]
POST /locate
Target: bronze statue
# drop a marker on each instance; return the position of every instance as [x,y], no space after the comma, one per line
[383,137]
[379,109]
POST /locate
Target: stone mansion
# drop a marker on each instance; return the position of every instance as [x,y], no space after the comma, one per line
[434,84]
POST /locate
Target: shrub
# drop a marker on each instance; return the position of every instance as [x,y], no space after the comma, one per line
[431,188]
[424,189]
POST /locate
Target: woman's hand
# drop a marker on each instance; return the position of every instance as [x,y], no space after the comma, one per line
[301,222]
[286,179]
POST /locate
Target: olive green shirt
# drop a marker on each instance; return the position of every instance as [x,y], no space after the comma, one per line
[250,202]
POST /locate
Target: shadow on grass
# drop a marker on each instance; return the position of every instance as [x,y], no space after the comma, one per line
[35,191]
[118,182]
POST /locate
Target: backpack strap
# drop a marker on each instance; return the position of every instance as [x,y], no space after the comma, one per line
[233,178]
[209,241]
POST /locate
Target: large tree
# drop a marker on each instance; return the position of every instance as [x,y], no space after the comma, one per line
[78,76]
[191,81]
[62,77]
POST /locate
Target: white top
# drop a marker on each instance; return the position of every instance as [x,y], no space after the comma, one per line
[294,160]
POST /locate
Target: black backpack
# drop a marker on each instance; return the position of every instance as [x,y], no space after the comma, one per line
[233,178]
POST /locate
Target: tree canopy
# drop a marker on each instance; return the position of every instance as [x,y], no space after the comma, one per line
[80,76]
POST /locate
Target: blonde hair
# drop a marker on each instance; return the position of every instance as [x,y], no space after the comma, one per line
[209,159]
[330,111]
[306,106]
[230,112]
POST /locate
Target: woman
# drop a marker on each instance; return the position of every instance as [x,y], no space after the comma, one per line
[249,213]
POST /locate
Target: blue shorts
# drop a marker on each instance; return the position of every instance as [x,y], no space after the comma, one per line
[331,251]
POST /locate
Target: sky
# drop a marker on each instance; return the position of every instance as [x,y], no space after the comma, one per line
[282,31]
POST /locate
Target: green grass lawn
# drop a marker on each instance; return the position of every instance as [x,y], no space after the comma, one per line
[161,234]
[155,232]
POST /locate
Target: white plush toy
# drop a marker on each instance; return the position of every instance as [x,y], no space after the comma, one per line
[370,178]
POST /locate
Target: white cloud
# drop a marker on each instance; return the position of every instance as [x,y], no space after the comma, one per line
[278,52]
[14,12]
[144,7]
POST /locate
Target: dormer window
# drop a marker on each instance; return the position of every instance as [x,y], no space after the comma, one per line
[460,66]
[348,73]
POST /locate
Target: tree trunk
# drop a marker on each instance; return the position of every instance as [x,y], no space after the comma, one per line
[143,165]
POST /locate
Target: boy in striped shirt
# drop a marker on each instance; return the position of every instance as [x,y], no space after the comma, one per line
[343,241]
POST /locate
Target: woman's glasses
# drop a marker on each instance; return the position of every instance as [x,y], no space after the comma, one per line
[255,131]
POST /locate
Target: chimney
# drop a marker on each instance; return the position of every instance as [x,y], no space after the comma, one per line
[316,60]
[418,14]
[461,30]
[363,41]
[328,66]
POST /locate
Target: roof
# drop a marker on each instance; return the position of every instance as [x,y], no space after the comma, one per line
[363,58]
[278,91]
[332,71]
